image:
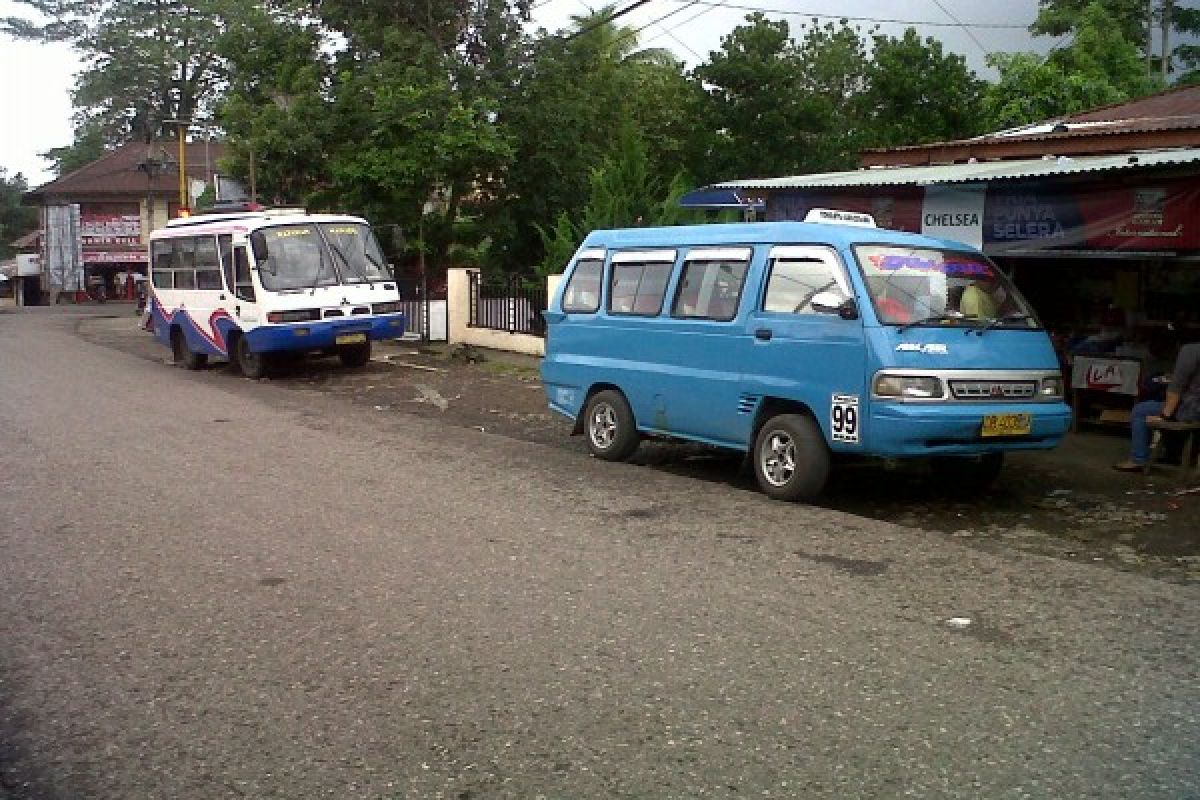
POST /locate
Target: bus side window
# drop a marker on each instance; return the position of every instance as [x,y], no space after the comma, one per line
[243,288]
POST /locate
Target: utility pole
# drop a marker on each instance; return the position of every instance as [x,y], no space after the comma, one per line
[1149,36]
[1166,29]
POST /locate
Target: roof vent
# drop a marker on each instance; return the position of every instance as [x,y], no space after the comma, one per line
[1060,127]
[1133,159]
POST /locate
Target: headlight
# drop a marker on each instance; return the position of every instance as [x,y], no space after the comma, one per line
[385,308]
[915,387]
[1052,387]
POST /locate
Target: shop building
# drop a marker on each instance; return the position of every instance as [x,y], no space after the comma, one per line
[96,220]
[1096,216]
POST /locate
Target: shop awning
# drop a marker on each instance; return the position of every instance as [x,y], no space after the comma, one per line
[977,172]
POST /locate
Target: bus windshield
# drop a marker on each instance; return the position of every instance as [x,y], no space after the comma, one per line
[296,258]
[319,254]
[912,286]
[356,252]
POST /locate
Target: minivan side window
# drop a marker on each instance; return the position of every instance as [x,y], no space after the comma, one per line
[710,289]
[638,287]
[795,280]
[582,295]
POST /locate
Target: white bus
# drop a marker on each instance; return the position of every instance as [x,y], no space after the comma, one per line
[247,285]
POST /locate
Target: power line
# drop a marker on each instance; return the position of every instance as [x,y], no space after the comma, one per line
[880,20]
[688,21]
[636,4]
[966,30]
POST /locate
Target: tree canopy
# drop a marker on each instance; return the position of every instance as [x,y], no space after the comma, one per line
[525,139]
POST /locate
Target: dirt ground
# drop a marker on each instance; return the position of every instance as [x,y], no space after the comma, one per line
[1067,503]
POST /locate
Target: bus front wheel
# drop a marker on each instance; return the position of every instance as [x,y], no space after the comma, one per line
[355,355]
[252,365]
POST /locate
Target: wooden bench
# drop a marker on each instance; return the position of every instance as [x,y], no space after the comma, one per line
[1188,467]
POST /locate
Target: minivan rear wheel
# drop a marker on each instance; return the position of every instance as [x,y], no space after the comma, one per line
[791,460]
[609,426]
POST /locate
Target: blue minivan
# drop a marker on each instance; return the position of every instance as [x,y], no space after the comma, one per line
[801,343]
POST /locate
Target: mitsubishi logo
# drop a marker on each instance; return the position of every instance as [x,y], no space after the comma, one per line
[997,390]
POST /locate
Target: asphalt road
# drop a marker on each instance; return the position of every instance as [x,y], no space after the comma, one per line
[211,588]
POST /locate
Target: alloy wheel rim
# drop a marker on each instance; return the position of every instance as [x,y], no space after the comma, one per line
[778,458]
[603,426]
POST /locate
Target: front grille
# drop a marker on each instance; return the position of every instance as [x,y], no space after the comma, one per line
[993,390]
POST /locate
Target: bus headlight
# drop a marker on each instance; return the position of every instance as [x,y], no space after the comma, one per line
[1051,387]
[913,387]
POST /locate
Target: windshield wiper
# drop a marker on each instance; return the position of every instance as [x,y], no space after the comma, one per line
[362,273]
[926,320]
[1015,316]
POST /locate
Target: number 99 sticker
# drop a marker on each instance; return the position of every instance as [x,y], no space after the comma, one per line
[843,418]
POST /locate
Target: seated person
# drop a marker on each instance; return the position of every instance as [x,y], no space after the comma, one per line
[1182,403]
[979,300]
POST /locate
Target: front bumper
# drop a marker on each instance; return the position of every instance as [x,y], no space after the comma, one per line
[918,429]
[324,333]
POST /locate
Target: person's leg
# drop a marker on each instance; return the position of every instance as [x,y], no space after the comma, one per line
[1140,431]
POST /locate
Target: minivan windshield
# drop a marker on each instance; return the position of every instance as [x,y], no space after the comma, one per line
[914,286]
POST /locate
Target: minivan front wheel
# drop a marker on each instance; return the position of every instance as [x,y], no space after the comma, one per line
[791,460]
[608,424]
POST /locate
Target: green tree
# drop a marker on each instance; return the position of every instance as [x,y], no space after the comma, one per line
[16,220]
[577,91]
[146,61]
[88,146]
[624,192]
[1099,68]
[764,121]
[1133,20]
[917,93]
[275,110]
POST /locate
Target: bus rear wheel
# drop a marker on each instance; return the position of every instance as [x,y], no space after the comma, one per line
[252,365]
[355,355]
[183,354]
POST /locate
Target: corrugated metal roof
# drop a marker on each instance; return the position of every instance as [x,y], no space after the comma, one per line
[980,172]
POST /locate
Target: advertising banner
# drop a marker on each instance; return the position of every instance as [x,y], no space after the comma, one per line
[955,212]
[1143,215]
[897,208]
[99,228]
[64,259]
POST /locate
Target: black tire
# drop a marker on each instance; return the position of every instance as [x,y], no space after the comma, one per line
[184,354]
[609,427]
[791,459]
[967,473]
[252,365]
[355,355]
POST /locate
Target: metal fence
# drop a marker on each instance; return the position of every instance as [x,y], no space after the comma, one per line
[423,316]
[514,304]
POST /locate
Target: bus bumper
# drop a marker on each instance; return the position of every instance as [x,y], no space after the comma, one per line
[325,334]
[903,430]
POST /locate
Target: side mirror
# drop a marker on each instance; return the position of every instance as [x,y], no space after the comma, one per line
[835,303]
[262,253]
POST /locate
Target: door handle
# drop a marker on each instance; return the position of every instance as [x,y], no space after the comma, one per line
[237,311]
[221,297]
[764,334]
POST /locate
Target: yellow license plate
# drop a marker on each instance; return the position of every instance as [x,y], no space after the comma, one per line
[1007,424]
[350,338]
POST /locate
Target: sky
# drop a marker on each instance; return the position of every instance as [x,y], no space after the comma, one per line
[36,79]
